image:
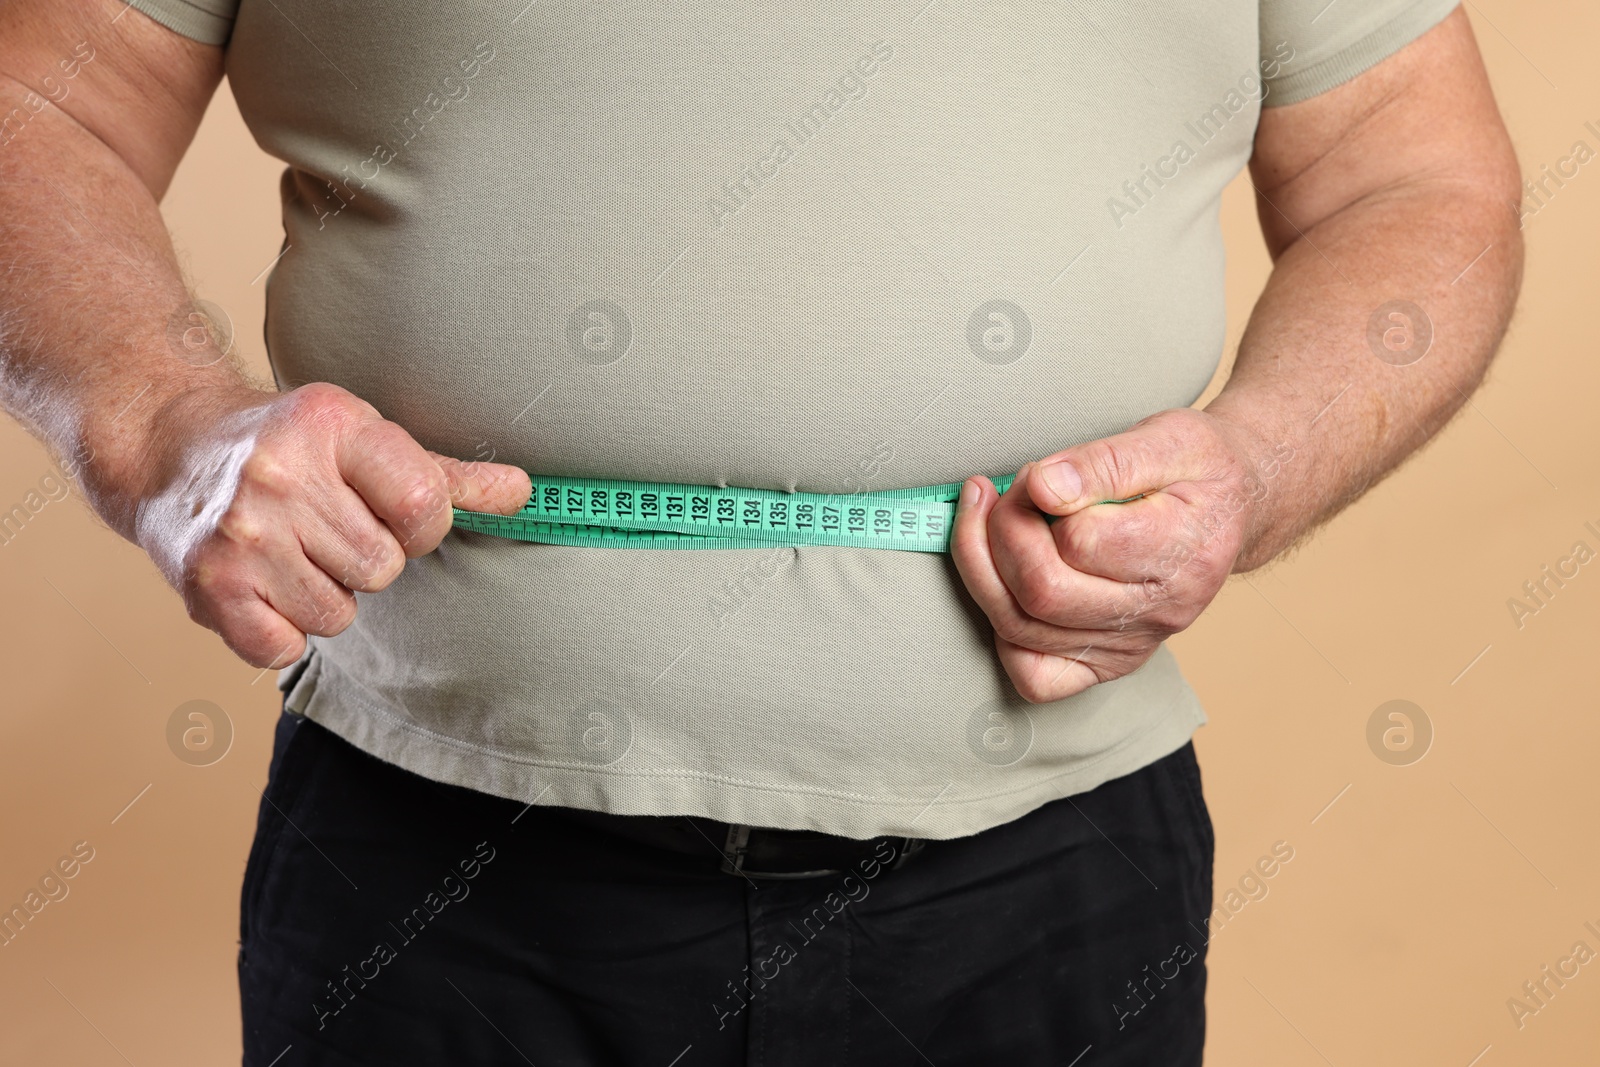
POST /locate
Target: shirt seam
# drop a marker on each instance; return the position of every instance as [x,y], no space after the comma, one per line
[188,19]
[1358,57]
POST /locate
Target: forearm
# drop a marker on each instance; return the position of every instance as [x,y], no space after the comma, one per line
[1307,383]
[89,296]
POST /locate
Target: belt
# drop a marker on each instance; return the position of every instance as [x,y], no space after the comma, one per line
[601,513]
[750,851]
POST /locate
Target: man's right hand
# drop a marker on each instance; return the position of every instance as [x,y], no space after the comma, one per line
[265,510]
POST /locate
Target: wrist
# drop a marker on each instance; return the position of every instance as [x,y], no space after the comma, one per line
[1262,451]
[130,455]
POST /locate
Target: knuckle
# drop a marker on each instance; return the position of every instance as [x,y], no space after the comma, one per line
[423,497]
[1103,674]
[203,586]
[332,616]
[1094,538]
[1178,426]
[1079,540]
[1115,465]
[375,566]
[238,526]
[420,516]
[315,397]
[266,470]
[319,603]
[1183,420]
[1166,619]
[1126,663]
[1038,595]
[1009,628]
[270,649]
[247,640]
[326,407]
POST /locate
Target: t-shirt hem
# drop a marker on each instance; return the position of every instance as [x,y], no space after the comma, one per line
[340,704]
[185,18]
[1359,57]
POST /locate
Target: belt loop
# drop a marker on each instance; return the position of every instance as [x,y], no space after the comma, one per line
[734,848]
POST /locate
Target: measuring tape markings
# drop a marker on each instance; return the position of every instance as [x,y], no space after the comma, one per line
[601,513]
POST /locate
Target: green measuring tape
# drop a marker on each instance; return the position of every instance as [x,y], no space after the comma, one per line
[597,513]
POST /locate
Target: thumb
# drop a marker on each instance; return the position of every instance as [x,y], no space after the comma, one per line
[1109,470]
[478,486]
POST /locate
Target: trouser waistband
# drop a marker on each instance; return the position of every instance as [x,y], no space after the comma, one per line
[751,851]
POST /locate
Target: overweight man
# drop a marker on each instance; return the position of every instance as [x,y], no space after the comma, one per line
[634,797]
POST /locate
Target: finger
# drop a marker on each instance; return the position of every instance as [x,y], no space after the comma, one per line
[400,482]
[1134,542]
[479,486]
[974,557]
[1024,551]
[308,597]
[1039,677]
[259,635]
[251,628]
[346,540]
[1142,460]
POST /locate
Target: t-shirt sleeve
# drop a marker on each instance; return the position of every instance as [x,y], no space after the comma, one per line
[207,21]
[1311,46]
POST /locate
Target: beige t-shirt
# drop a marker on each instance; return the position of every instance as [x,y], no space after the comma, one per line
[825,247]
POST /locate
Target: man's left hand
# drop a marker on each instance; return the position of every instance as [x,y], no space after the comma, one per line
[1089,597]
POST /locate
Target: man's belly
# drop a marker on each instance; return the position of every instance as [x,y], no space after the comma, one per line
[851,690]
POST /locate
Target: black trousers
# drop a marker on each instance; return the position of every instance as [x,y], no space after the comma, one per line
[389,919]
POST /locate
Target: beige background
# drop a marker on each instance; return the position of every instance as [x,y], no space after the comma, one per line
[1414,906]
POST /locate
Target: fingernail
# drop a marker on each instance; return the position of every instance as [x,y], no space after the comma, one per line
[969,495]
[1063,481]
